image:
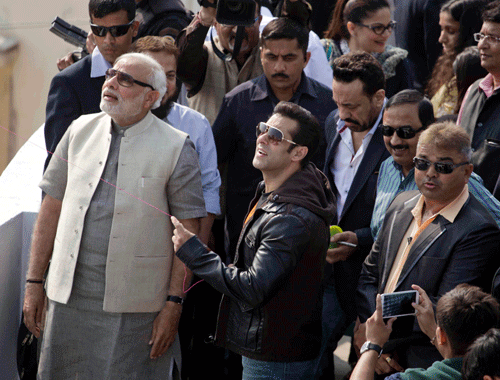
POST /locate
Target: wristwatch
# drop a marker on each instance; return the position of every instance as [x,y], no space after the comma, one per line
[370,346]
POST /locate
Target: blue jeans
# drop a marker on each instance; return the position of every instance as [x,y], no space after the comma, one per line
[333,327]
[260,370]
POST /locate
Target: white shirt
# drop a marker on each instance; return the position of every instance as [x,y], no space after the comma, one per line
[99,64]
[346,161]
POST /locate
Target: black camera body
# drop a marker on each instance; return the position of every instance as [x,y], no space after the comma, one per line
[233,12]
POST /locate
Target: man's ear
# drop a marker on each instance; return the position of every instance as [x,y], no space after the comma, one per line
[150,98]
[135,28]
[307,58]
[379,97]
[441,336]
[299,152]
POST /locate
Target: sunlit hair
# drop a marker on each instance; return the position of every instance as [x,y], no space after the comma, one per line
[447,136]
[155,76]
[156,44]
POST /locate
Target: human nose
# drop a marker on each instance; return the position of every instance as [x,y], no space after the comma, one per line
[483,42]
[343,113]
[112,82]
[108,38]
[279,65]
[263,138]
[395,139]
[442,37]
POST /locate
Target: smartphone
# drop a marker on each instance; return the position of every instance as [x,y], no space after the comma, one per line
[398,304]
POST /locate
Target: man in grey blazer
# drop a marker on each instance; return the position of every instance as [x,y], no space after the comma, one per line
[436,238]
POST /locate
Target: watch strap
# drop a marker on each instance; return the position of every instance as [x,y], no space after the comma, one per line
[371,346]
[175,299]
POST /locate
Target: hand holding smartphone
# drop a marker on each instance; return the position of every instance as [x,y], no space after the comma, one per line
[399,304]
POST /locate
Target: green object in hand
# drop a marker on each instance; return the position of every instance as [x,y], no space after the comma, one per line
[334,230]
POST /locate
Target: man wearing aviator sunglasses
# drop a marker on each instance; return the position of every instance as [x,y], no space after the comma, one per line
[436,237]
[281,248]
[408,113]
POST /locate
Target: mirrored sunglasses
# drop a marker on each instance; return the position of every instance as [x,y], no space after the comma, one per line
[440,167]
[404,133]
[115,31]
[273,134]
[124,79]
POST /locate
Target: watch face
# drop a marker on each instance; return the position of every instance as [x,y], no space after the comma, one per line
[364,347]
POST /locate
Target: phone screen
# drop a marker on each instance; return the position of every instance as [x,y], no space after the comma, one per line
[398,304]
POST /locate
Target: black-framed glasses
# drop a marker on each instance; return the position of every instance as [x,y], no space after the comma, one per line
[125,80]
[406,132]
[115,31]
[478,37]
[440,167]
[379,29]
[273,134]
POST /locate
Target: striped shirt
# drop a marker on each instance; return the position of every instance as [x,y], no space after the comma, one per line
[391,182]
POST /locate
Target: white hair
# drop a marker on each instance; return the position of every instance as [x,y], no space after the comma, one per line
[156,77]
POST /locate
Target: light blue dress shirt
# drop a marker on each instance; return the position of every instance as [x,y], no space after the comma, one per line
[198,128]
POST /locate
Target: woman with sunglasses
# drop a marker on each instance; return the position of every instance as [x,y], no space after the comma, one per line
[459,20]
[365,25]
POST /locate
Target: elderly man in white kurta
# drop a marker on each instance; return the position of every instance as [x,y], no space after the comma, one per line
[114,287]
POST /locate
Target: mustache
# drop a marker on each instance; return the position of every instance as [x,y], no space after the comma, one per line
[352,121]
[280,75]
[401,146]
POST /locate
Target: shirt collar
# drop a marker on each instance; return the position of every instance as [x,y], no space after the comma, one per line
[99,64]
[449,212]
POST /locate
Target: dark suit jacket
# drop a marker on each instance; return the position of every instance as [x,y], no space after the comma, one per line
[72,93]
[356,214]
[443,256]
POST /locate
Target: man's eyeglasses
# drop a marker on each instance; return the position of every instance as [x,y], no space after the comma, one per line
[478,37]
[116,31]
[379,29]
[404,133]
[125,80]
[440,167]
[273,134]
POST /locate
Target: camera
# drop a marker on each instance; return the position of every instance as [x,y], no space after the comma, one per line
[233,12]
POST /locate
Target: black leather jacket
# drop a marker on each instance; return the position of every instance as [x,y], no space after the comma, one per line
[271,309]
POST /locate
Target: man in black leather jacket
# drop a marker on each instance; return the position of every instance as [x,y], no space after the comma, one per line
[271,309]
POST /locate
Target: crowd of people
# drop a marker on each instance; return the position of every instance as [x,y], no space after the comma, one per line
[189,195]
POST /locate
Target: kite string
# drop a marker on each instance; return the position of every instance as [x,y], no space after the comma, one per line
[110,184]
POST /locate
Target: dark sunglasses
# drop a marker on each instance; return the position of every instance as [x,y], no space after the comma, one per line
[273,134]
[124,79]
[116,31]
[379,29]
[440,167]
[404,133]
